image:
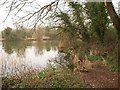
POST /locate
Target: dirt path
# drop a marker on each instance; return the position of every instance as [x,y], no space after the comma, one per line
[98,76]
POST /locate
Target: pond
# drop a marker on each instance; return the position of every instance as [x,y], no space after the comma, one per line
[19,57]
[23,56]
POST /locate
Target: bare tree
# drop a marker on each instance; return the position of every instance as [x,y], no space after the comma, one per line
[38,12]
[35,15]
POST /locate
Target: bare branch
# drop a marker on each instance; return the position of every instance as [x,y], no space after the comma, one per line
[38,13]
[9,11]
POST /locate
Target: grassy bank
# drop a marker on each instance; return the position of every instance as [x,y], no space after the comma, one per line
[50,78]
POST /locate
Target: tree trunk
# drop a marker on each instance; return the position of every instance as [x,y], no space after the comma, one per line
[113,15]
[116,22]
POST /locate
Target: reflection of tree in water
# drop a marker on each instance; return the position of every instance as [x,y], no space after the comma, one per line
[17,46]
[50,45]
[7,47]
[20,46]
[63,61]
[40,46]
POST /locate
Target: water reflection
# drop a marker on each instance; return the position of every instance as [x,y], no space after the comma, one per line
[15,46]
[47,45]
[62,60]
[23,56]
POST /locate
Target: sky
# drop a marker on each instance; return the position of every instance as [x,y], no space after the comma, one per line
[11,19]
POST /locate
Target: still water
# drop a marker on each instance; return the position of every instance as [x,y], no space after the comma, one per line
[18,57]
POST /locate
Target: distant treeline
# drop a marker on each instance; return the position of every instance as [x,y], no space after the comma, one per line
[22,33]
[10,34]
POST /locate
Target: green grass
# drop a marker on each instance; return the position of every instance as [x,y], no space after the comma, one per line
[95,57]
[113,65]
[58,78]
